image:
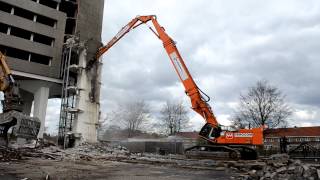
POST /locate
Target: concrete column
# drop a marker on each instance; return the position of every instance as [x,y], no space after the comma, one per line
[87,120]
[40,106]
[27,98]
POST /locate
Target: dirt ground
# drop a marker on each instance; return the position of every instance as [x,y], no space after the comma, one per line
[102,161]
[37,168]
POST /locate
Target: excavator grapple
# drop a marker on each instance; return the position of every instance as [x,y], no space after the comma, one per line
[14,123]
[20,125]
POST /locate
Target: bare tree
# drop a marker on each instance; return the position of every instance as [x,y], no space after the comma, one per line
[174,117]
[132,115]
[263,104]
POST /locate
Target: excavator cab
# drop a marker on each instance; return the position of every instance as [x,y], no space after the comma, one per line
[210,132]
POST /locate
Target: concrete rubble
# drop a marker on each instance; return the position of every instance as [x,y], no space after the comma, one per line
[278,166]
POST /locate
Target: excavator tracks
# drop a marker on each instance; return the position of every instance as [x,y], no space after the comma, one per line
[221,152]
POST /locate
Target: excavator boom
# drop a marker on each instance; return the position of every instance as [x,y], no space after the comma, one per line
[124,30]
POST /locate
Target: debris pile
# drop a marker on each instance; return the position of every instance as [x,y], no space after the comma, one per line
[9,154]
[14,154]
[100,148]
[88,151]
[277,166]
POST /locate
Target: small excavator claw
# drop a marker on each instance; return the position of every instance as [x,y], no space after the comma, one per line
[23,126]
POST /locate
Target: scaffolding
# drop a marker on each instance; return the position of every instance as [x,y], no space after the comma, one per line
[68,110]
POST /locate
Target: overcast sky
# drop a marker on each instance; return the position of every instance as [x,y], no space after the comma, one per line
[227,45]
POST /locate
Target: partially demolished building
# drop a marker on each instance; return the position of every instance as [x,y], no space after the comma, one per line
[47,44]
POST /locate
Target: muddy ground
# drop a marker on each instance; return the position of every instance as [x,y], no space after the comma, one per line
[37,168]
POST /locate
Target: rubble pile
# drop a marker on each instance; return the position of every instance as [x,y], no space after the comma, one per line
[173,160]
[13,154]
[277,166]
[88,151]
[9,154]
[100,148]
[104,152]
[84,151]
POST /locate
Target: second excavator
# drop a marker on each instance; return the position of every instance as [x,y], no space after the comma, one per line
[14,123]
[223,143]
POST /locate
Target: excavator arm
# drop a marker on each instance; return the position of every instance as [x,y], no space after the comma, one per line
[124,30]
[5,74]
[211,130]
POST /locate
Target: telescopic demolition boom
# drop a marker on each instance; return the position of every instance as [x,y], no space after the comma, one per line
[229,144]
[199,100]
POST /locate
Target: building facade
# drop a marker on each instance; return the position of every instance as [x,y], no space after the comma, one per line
[32,36]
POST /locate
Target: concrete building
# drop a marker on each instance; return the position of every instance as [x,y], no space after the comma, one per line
[33,34]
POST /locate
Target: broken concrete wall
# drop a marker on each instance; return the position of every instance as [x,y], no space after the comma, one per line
[89,28]
[134,147]
[86,123]
[154,147]
[168,147]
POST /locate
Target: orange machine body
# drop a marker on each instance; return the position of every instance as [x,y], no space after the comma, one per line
[252,136]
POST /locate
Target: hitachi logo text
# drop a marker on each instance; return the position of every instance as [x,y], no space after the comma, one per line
[243,134]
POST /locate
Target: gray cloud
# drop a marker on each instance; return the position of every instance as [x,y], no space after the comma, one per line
[227,45]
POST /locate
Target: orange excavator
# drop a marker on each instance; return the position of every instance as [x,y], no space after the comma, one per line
[234,144]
